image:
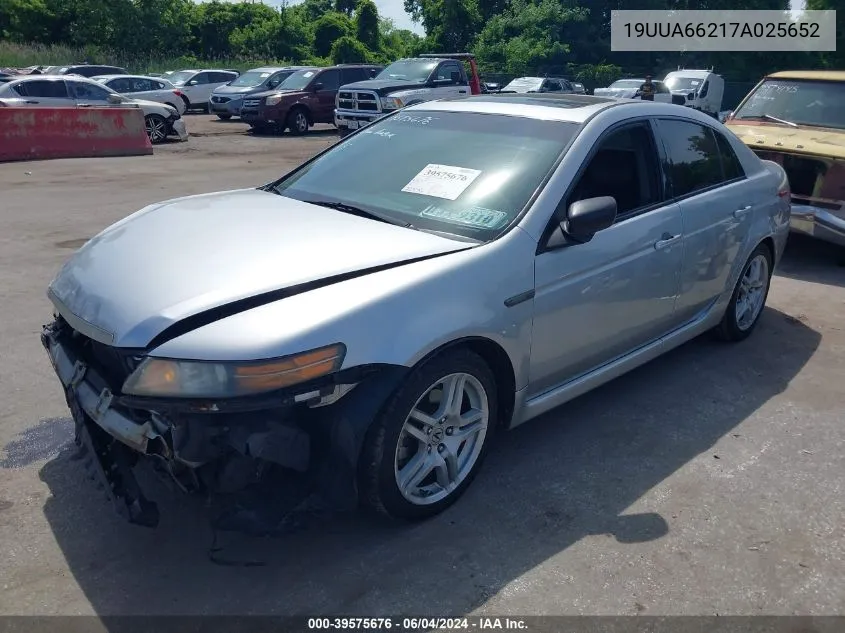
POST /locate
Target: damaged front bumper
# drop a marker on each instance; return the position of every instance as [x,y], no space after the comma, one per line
[238,454]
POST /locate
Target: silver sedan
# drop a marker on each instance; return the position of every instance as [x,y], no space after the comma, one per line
[365,325]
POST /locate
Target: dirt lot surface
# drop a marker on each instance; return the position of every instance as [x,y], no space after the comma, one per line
[709,481]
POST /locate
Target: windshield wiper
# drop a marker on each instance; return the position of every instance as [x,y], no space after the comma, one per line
[768,117]
[363,213]
[777,120]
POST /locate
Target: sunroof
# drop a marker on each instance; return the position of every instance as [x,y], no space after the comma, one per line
[553,100]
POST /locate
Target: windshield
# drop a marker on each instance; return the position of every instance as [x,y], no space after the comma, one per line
[685,84]
[181,76]
[414,70]
[800,101]
[524,84]
[298,80]
[250,78]
[459,173]
[627,84]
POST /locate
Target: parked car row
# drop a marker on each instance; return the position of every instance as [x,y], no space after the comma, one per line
[58,91]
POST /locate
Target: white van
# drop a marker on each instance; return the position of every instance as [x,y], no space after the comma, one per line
[699,89]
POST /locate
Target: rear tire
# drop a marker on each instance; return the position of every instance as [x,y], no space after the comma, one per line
[432,436]
[297,121]
[748,298]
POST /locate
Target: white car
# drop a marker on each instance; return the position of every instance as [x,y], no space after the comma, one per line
[148,88]
[197,85]
[629,89]
[64,91]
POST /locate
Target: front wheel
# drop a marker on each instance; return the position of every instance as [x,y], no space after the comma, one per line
[156,128]
[224,117]
[297,122]
[426,447]
[748,298]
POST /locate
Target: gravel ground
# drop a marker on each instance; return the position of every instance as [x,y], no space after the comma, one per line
[709,481]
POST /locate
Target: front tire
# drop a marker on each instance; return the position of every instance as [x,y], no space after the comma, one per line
[156,128]
[427,445]
[224,117]
[748,298]
[297,122]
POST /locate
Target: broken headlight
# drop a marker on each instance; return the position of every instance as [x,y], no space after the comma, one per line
[164,377]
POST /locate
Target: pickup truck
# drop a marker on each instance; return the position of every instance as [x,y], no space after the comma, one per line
[403,83]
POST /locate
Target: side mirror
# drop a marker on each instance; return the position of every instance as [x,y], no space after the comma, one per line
[318,86]
[585,218]
[115,99]
[193,82]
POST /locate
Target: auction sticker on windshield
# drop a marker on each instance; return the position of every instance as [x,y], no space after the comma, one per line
[471,216]
[442,181]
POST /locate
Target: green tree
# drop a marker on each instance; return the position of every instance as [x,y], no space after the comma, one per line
[367,24]
[328,29]
[348,50]
[346,7]
[529,36]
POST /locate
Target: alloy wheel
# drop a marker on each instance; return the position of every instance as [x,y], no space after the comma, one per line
[752,292]
[441,439]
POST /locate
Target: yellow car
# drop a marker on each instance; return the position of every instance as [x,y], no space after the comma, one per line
[796,118]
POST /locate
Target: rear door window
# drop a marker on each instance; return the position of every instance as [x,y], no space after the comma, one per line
[731,166]
[44,88]
[330,80]
[693,159]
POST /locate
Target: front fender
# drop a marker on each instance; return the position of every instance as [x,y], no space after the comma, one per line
[394,317]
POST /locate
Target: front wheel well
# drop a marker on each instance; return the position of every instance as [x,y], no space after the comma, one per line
[770,244]
[305,109]
[499,362]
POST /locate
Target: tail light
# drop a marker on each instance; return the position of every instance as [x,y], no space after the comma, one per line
[783,193]
[178,93]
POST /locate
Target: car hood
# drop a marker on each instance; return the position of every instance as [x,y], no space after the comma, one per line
[286,93]
[234,90]
[383,86]
[825,142]
[151,105]
[184,257]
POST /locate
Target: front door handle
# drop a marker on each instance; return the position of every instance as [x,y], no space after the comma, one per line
[463,92]
[32,102]
[741,212]
[83,105]
[665,241]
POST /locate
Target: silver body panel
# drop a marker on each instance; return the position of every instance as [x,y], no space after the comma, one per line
[592,312]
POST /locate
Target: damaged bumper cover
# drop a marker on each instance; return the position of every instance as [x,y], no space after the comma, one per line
[826,222]
[226,450]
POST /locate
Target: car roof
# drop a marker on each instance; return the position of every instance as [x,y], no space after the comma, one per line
[828,75]
[571,108]
[272,69]
[690,73]
[127,76]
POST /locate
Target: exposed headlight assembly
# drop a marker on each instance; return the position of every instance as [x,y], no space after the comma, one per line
[164,377]
[391,103]
[273,100]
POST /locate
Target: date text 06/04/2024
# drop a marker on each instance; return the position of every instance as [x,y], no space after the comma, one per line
[727,31]
[481,623]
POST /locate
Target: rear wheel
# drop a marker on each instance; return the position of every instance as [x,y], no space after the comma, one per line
[749,297]
[297,122]
[426,447]
[156,128]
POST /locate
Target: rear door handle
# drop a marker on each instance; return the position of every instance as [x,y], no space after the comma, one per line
[32,102]
[665,241]
[741,212]
[463,92]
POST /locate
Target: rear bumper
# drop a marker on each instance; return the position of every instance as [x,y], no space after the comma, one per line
[819,223]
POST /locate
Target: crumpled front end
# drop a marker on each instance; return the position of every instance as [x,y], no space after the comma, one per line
[238,453]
